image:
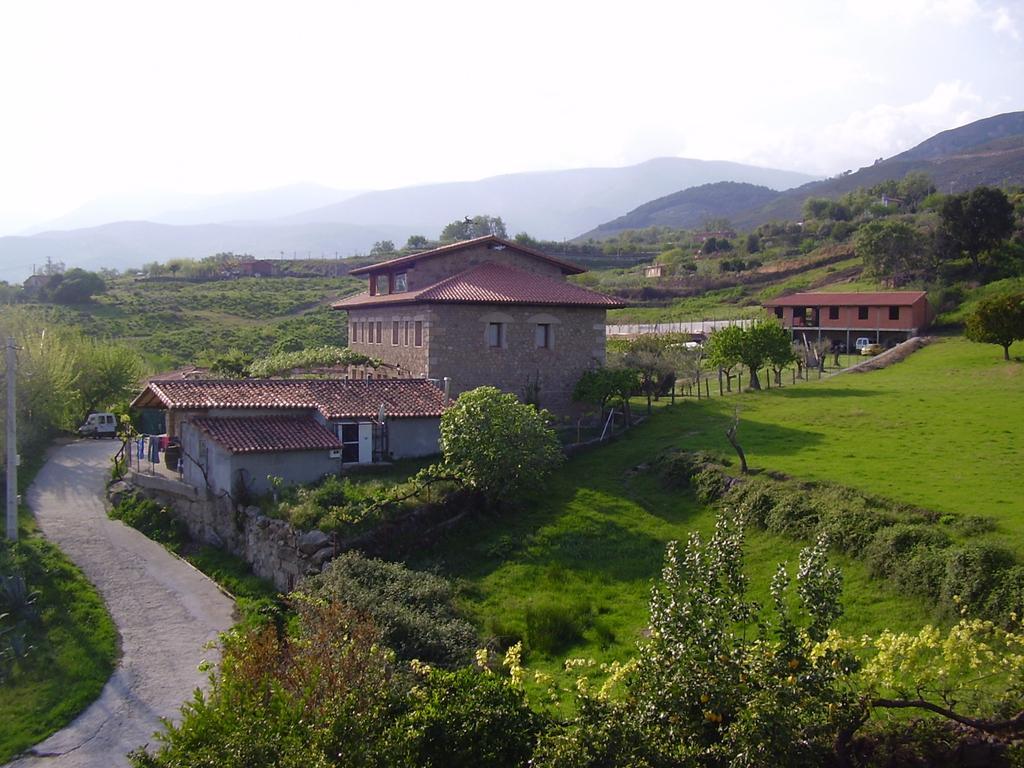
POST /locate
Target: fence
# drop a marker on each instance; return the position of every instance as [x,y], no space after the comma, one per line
[692,327]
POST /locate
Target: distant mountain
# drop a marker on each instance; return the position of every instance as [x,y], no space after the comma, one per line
[130,244]
[167,208]
[988,151]
[550,205]
[689,208]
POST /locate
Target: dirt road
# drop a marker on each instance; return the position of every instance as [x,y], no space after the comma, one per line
[165,611]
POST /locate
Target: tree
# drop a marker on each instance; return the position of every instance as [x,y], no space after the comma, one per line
[722,350]
[417,241]
[382,248]
[999,320]
[891,249]
[764,341]
[109,374]
[601,386]
[497,446]
[975,222]
[76,286]
[645,355]
[753,243]
[468,228]
[914,188]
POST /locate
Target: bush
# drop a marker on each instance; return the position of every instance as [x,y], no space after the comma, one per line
[793,514]
[415,611]
[891,545]
[466,719]
[972,574]
[496,445]
[1007,596]
[753,500]
[851,529]
[922,573]
[710,484]
[553,627]
[152,520]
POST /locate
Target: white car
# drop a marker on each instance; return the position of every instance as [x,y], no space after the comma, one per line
[99,425]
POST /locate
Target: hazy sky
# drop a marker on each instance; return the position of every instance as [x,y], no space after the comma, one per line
[111,98]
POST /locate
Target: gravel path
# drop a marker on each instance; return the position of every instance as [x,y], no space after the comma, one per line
[165,611]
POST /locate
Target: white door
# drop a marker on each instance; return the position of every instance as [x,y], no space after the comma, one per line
[365,442]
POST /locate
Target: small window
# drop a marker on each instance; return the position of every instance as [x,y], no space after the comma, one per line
[778,312]
[542,336]
[798,312]
[400,283]
[394,333]
[833,313]
[406,342]
[380,329]
[381,283]
[495,334]
[349,436]
[894,313]
[352,331]
[862,313]
[419,333]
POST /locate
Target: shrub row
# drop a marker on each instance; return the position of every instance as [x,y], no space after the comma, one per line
[912,548]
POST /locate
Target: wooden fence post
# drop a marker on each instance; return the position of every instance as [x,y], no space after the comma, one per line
[707,389]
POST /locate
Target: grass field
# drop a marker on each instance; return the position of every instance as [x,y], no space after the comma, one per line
[939,430]
[74,645]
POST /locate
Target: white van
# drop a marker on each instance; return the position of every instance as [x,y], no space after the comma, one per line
[99,425]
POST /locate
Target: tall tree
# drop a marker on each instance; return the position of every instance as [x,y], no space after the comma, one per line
[999,320]
[722,350]
[975,222]
[468,228]
[764,341]
[892,249]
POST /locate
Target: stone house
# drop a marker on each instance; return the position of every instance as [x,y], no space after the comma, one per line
[486,311]
[242,431]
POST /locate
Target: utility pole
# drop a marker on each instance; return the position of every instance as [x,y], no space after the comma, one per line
[12,443]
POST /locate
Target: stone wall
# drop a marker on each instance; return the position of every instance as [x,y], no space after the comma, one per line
[410,359]
[459,350]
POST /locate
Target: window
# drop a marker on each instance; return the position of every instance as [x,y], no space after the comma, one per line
[379,331]
[380,285]
[833,313]
[406,342]
[495,334]
[862,313]
[352,329]
[894,313]
[401,283]
[349,436]
[778,312]
[394,333]
[542,336]
[419,333]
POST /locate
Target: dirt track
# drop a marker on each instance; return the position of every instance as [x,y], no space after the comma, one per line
[165,611]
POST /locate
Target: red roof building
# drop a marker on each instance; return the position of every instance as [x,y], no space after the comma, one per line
[487,311]
[883,317]
[233,431]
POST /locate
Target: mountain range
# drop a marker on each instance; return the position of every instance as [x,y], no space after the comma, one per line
[550,205]
[988,151]
[310,220]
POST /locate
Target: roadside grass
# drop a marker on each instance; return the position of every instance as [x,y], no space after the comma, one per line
[74,643]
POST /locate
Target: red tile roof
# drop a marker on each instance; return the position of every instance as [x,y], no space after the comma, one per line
[333,398]
[492,283]
[823,299]
[493,240]
[265,434]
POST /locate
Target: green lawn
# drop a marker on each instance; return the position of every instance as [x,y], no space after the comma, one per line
[939,430]
[73,645]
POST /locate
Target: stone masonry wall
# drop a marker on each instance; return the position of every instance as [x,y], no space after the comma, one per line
[459,349]
[430,271]
[412,360]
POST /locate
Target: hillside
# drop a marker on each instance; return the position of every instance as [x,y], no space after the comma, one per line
[989,151]
[690,207]
[549,205]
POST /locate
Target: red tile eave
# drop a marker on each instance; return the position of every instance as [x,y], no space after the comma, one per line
[880,299]
[567,266]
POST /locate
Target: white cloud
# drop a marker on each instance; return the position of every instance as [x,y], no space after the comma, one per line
[1004,22]
[883,130]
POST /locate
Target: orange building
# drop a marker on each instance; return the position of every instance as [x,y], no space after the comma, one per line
[885,317]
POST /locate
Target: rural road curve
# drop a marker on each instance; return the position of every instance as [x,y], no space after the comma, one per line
[165,611]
